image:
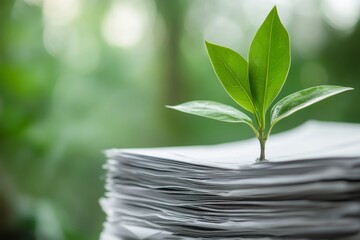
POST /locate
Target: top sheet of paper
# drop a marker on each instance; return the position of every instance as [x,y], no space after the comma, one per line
[312,140]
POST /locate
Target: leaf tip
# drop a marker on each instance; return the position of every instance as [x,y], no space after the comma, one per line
[208,44]
[273,12]
[274,9]
[344,89]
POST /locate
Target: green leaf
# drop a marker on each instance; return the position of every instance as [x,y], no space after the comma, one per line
[213,110]
[232,71]
[301,99]
[269,62]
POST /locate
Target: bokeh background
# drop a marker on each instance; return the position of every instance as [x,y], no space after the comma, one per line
[80,76]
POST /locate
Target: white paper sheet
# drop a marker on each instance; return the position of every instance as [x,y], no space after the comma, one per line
[311,140]
[309,187]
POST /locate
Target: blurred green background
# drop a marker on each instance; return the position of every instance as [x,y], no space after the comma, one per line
[80,76]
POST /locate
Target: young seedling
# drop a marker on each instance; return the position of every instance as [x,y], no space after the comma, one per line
[255,84]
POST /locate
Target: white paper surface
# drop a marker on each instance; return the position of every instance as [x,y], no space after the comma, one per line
[310,186]
[309,141]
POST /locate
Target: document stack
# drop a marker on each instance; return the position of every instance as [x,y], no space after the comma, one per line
[308,189]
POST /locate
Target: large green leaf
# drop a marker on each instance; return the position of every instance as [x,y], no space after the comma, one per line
[232,71]
[299,100]
[213,110]
[269,61]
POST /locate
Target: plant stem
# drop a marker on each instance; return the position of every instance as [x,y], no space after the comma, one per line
[262,150]
[262,139]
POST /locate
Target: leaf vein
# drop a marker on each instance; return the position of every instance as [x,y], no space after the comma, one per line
[267,65]
[236,78]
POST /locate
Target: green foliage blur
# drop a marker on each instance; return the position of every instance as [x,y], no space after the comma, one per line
[81,76]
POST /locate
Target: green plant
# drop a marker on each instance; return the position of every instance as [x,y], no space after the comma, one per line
[255,84]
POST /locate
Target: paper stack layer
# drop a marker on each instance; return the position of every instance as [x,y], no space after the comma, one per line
[309,189]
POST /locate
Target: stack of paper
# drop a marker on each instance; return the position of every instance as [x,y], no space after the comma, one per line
[309,188]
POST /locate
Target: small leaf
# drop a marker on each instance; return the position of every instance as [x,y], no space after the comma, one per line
[269,61]
[213,110]
[301,99]
[232,71]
